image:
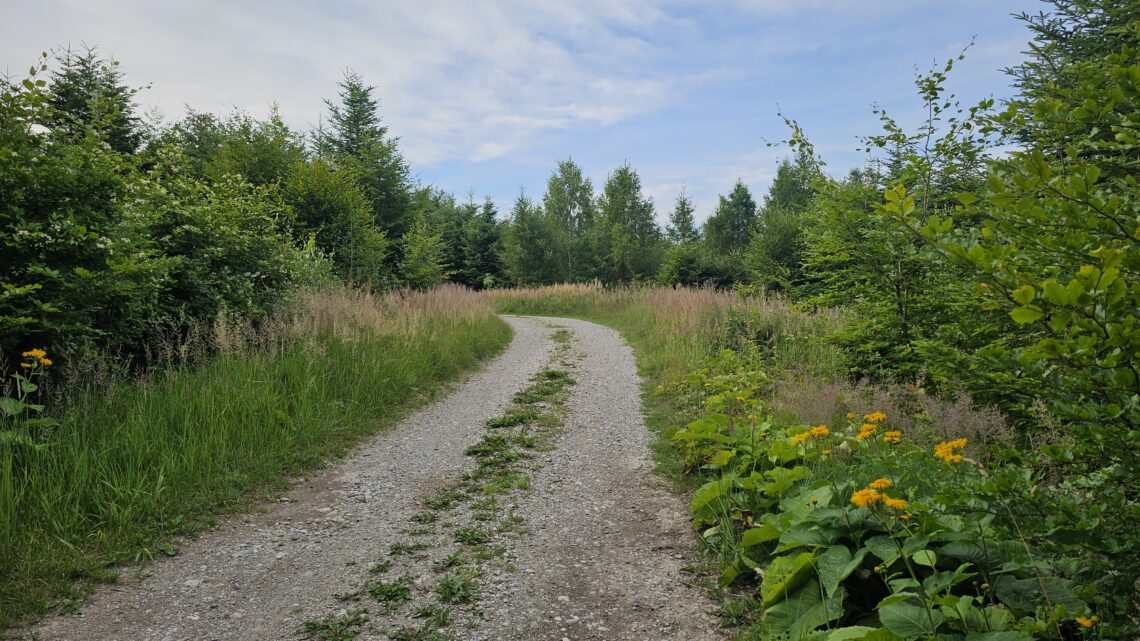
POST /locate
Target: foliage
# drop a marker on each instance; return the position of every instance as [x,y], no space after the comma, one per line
[423,266]
[731,226]
[127,465]
[857,531]
[626,239]
[682,226]
[87,92]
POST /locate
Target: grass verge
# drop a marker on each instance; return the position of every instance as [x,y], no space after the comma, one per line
[129,467]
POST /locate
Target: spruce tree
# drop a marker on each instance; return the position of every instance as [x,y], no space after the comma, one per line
[730,228]
[682,226]
[87,92]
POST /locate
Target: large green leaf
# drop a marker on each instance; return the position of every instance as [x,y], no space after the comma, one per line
[907,620]
[836,564]
[802,612]
[1026,594]
[785,574]
[1007,635]
[848,634]
[883,547]
[758,535]
[711,491]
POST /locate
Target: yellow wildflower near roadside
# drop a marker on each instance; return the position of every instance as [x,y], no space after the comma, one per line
[875,417]
[895,504]
[866,497]
[948,450]
[880,484]
[819,431]
[867,430]
[894,436]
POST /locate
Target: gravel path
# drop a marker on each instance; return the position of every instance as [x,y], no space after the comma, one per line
[607,543]
[601,560]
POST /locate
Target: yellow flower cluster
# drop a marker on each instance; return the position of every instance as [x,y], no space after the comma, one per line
[948,450]
[866,431]
[892,437]
[819,431]
[37,356]
[873,494]
[875,417]
[1087,622]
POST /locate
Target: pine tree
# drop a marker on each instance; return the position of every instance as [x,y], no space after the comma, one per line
[425,263]
[87,92]
[730,228]
[357,140]
[529,245]
[482,265]
[682,227]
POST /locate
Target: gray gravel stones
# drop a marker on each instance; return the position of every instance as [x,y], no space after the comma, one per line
[601,557]
[261,575]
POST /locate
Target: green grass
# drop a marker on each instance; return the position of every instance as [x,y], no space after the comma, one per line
[131,467]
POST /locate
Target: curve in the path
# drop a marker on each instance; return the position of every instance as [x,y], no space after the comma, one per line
[608,540]
[603,558]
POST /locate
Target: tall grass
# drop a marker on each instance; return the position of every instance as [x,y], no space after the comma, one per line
[671,329]
[132,464]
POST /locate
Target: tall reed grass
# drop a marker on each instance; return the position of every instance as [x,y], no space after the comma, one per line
[132,463]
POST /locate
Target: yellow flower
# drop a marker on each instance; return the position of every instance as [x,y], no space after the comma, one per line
[895,504]
[46,361]
[819,431]
[801,437]
[814,500]
[25,365]
[867,430]
[880,484]
[1086,622]
[866,497]
[34,353]
[892,437]
[878,568]
[740,399]
[905,517]
[850,415]
[827,451]
[874,417]
[947,450]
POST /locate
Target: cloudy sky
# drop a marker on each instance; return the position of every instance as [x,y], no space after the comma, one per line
[487,96]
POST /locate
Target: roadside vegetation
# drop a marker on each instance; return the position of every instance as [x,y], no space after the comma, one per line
[122,466]
[916,415]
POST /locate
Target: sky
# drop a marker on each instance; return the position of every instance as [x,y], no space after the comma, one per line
[487,97]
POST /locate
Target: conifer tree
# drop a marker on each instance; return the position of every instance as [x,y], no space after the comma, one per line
[87,91]
[682,227]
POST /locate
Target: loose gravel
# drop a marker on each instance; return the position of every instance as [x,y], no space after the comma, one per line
[598,552]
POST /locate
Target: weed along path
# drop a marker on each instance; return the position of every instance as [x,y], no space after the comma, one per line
[521,506]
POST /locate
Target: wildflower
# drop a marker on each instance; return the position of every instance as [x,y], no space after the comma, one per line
[905,517]
[46,361]
[34,353]
[895,504]
[827,451]
[880,484]
[892,437]
[947,450]
[1086,622]
[878,568]
[739,399]
[814,500]
[25,365]
[819,431]
[875,417]
[867,430]
[850,415]
[801,437]
[865,497]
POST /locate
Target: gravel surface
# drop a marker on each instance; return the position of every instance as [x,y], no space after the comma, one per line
[607,543]
[600,555]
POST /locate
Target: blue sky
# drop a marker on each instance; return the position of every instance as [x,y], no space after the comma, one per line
[486,97]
